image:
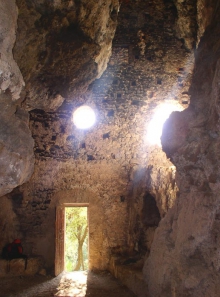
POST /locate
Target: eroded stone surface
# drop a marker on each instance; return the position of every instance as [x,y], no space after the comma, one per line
[193,18]
[187,243]
[186,25]
[10,75]
[62,47]
[205,10]
[16,157]
[17,267]
[110,165]
[16,143]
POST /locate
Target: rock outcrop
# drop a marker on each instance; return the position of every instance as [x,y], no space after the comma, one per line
[62,48]
[16,143]
[16,146]
[10,75]
[187,243]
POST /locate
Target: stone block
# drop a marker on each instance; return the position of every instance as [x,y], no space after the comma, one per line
[17,266]
[130,275]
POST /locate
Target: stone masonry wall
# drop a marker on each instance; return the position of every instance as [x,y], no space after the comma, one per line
[111,166]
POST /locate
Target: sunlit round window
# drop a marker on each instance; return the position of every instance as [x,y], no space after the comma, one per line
[155,127]
[84,117]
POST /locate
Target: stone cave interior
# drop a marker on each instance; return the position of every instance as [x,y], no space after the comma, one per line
[144,162]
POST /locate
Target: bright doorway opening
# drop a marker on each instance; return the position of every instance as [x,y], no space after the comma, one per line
[76,239]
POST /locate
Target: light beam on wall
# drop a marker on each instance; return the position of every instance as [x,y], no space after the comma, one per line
[155,127]
[84,117]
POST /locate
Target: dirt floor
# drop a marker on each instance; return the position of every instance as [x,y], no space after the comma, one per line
[72,284]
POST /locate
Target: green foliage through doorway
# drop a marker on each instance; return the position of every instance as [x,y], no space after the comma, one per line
[76,239]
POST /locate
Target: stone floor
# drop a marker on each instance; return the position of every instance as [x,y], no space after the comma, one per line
[72,284]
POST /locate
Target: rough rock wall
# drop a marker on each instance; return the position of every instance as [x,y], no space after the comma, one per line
[112,163]
[193,18]
[11,77]
[16,143]
[186,24]
[10,224]
[149,66]
[62,47]
[153,183]
[105,167]
[205,9]
[186,244]
[69,170]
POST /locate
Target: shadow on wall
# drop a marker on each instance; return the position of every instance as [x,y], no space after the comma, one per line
[146,222]
[149,221]
[150,212]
